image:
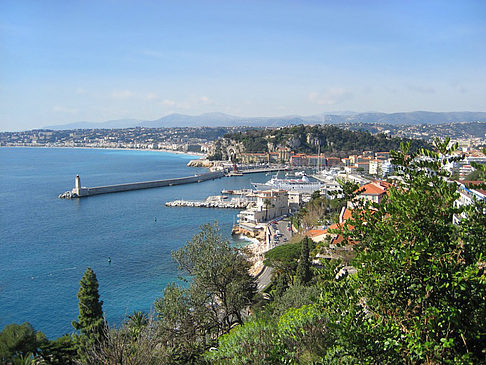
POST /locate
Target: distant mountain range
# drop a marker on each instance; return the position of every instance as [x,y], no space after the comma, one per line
[226,120]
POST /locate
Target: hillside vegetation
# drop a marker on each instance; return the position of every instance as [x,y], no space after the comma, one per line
[308,139]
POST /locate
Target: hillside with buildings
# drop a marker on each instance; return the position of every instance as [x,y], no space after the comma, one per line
[279,144]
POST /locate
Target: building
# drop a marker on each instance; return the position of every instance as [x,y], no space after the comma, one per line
[363,166]
[382,155]
[386,168]
[295,200]
[333,162]
[373,191]
[249,158]
[269,205]
[467,196]
[375,167]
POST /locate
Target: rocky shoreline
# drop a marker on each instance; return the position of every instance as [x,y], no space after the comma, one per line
[200,163]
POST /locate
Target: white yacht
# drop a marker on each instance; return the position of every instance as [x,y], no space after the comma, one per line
[302,184]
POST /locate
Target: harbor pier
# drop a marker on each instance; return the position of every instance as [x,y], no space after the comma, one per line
[80,192]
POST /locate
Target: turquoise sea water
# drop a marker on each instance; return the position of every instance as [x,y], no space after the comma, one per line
[46,243]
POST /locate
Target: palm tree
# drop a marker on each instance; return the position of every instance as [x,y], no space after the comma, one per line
[137,321]
[267,203]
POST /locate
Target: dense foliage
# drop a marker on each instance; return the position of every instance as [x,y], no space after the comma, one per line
[309,139]
[19,342]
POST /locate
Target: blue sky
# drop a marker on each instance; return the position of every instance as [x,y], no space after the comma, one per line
[67,61]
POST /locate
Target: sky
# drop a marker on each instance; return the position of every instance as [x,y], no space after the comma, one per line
[68,61]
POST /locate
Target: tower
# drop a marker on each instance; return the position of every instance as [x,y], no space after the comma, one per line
[77,185]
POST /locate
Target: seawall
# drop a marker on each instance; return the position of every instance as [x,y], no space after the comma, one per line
[87,191]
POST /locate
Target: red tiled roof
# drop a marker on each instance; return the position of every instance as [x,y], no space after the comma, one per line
[474,182]
[374,188]
[315,232]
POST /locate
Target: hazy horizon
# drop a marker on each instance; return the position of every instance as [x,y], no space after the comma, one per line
[95,61]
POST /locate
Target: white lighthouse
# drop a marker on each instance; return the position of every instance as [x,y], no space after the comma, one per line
[77,186]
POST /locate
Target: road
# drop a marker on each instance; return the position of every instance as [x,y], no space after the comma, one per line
[284,235]
[264,278]
[279,232]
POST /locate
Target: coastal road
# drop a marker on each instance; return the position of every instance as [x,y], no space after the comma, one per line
[264,278]
[282,227]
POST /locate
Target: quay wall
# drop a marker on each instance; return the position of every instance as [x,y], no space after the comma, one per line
[83,191]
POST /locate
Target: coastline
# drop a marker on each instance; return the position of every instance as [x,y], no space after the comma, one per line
[256,254]
[43,228]
[199,154]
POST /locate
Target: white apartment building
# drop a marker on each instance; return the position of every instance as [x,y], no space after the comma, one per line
[269,205]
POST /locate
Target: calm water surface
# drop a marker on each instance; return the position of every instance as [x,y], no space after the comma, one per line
[46,243]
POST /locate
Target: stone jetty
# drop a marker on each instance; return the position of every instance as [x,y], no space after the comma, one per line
[81,191]
[217,201]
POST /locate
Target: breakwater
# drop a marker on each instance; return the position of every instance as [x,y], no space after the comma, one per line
[212,202]
[80,192]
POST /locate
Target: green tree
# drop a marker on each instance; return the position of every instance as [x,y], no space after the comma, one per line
[347,192]
[299,336]
[90,323]
[136,322]
[316,194]
[20,342]
[284,259]
[61,351]
[220,289]
[294,297]
[121,348]
[267,203]
[419,294]
[303,273]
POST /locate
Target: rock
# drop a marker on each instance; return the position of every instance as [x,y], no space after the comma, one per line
[68,195]
[200,163]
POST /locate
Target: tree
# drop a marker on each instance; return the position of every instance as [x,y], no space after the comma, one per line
[120,347]
[316,194]
[419,294]
[20,342]
[303,273]
[136,322]
[347,192]
[283,259]
[220,289]
[61,351]
[90,323]
[267,203]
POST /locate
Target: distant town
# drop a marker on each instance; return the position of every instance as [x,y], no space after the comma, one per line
[469,135]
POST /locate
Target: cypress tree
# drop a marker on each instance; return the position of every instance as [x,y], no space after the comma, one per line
[90,319]
[303,274]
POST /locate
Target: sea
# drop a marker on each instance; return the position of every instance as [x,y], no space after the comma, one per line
[46,243]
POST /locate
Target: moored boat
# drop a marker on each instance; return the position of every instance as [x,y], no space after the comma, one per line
[302,184]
